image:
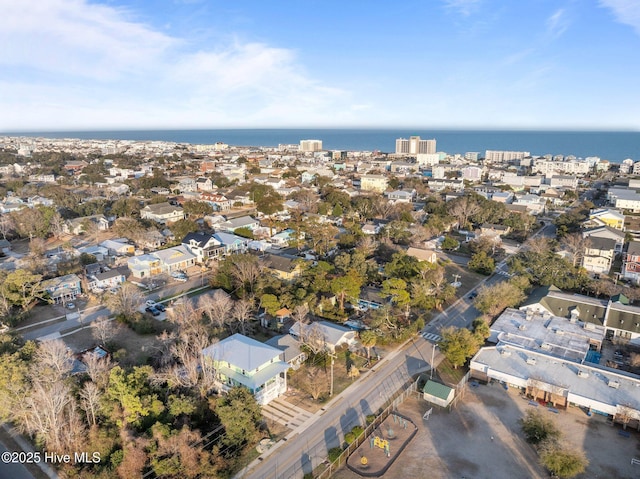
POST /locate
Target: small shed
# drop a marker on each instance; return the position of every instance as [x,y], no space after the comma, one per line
[437,393]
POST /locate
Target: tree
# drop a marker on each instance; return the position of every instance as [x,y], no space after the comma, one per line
[481,329]
[463,208]
[449,243]
[494,299]
[21,288]
[482,263]
[346,287]
[317,382]
[131,392]
[242,314]
[270,303]
[240,415]
[563,462]
[196,209]
[216,307]
[125,301]
[182,228]
[353,372]
[103,329]
[576,245]
[458,344]
[537,428]
[368,339]
[396,290]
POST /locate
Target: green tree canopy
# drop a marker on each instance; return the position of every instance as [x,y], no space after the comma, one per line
[240,415]
[458,344]
[482,263]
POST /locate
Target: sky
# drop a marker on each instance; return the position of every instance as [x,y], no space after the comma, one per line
[179,64]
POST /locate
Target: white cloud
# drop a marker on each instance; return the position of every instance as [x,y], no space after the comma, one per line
[625,11]
[463,7]
[74,64]
[557,23]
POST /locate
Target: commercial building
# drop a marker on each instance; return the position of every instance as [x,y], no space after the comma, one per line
[310,145]
[415,146]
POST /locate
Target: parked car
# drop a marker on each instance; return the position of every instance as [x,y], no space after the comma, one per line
[151,303]
[152,310]
[160,307]
[181,279]
[71,306]
[473,295]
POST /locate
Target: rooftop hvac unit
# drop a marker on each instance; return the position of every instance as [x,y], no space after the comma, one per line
[522,327]
[583,374]
[559,332]
[504,352]
[614,384]
[531,360]
[546,346]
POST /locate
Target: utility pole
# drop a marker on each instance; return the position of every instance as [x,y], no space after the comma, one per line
[433,355]
[332,361]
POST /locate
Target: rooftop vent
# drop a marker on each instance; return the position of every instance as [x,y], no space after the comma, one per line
[531,360]
[614,384]
[583,374]
[504,352]
[522,327]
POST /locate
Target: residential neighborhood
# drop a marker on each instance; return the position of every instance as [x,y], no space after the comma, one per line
[265,283]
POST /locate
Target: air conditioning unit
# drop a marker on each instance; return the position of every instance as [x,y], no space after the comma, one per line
[504,352]
[559,332]
[522,327]
[583,374]
[531,360]
[546,346]
[614,384]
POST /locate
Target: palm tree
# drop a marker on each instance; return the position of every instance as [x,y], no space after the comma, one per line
[368,339]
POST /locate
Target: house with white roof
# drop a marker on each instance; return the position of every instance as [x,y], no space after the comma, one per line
[162,213]
[243,361]
[175,259]
[325,334]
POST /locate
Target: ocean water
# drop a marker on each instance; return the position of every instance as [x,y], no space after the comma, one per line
[614,146]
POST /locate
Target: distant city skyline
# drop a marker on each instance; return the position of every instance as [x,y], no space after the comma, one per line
[487,64]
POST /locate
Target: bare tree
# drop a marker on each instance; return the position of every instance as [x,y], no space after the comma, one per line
[6,225]
[245,271]
[126,300]
[98,368]
[300,313]
[576,245]
[241,314]
[216,307]
[53,360]
[539,245]
[317,383]
[103,329]
[312,337]
[90,400]
[367,245]
[463,208]
[43,412]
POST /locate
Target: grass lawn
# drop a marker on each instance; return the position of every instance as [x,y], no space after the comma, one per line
[136,348]
[448,375]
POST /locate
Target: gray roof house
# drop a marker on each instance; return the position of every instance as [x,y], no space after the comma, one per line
[243,361]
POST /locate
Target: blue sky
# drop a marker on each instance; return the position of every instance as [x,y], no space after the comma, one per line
[118,64]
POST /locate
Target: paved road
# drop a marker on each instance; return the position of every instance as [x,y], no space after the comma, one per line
[12,471]
[307,446]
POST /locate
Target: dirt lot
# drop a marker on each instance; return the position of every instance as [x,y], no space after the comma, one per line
[460,445]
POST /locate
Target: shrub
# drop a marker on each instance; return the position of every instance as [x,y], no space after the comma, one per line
[356,431]
[349,437]
[370,418]
[334,454]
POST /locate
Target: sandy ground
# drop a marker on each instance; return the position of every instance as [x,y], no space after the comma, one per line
[459,444]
